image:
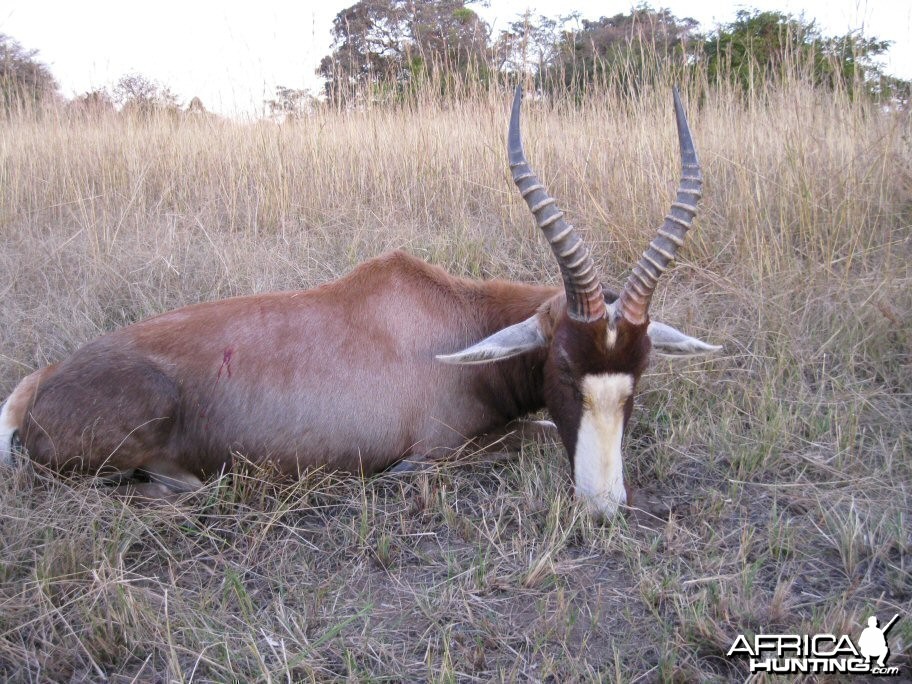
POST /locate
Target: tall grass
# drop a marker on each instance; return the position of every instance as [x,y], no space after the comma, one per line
[779,471]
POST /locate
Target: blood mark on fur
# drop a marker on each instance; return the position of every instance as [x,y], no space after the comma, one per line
[224,369]
[226,364]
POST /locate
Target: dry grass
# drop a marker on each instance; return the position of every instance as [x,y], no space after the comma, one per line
[782,466]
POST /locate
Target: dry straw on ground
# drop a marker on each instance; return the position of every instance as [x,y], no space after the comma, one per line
[782,465]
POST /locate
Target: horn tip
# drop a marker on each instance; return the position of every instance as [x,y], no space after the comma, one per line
[514,137]
[685,138]
[517,99]
[678,103]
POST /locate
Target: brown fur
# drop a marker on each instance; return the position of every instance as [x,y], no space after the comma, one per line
[342,376]
[580,349]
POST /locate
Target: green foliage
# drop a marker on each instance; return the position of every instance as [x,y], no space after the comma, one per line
[387,47]
[760,46]
[391,49]
[529,43]
[627,49]
[24,81]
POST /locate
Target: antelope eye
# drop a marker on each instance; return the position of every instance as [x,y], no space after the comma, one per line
[566,376]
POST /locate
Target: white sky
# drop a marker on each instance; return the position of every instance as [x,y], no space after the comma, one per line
[233,53]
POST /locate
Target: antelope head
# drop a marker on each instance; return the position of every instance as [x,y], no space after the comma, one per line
[597,343]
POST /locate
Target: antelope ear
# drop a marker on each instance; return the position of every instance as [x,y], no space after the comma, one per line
[670,341]
[506,343]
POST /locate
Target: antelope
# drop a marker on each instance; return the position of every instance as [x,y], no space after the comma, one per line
[396,362]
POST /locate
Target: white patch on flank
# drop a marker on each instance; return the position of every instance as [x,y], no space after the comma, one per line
[598,463]
[7,428]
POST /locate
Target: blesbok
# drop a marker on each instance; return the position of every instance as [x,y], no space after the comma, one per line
[380,366]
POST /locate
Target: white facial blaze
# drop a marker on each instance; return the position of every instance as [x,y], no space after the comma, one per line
[598,463]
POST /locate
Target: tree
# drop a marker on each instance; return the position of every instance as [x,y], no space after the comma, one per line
[758,46]
[291,103]
[385,48]
[137,94]
[24,81]
[529,44]
[627,49]
[92,104]
[196,107]
[573,53]
[388,45]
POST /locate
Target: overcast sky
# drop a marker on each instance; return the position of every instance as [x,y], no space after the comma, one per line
[232,54]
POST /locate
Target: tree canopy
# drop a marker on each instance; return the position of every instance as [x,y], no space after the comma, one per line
[395,49]
[394,43]
[387,46]
[627,48]
[759,46]
[141,95]
[24,80]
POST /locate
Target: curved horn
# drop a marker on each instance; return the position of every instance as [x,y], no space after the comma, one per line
[637,293]
[581,283]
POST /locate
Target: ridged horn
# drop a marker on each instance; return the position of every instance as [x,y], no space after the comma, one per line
[637,293]
[581,283]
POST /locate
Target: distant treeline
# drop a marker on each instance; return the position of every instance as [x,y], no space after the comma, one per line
[390,48]
[395,51]
[27,85]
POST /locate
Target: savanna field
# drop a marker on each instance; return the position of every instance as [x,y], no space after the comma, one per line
[775,478]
